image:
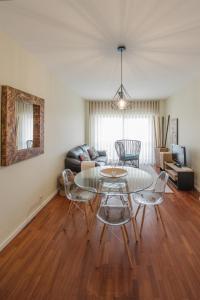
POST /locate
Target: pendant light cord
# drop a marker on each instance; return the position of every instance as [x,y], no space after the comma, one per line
[121,70]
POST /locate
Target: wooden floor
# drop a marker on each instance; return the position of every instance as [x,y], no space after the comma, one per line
[45,262]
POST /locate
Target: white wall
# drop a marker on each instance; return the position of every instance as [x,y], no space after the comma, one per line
[26,185]
[185,105]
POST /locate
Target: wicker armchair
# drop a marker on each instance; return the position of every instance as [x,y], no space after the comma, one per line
[128,151]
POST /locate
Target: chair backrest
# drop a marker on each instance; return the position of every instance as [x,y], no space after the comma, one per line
[115,209]
[120,149]
[68,180]
[87,165]
[161,182]
[124,147]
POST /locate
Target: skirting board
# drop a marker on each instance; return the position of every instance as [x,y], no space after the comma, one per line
[26,221]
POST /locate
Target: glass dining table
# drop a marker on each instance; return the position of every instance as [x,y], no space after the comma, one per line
[133,180]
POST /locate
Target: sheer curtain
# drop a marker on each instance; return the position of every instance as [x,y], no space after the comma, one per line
[106,125]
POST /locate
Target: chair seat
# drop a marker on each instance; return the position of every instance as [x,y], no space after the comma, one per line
[148,198]
[114,215]
[115,187]
[80,195]
[128,157]
[113,212]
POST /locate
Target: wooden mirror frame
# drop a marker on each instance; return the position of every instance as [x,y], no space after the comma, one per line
[9,152]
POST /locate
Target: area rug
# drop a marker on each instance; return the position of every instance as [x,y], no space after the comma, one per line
[151,170]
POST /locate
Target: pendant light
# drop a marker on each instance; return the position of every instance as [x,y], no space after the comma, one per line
[120,100]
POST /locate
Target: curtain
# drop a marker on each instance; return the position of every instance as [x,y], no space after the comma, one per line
[24,123]
[106,125]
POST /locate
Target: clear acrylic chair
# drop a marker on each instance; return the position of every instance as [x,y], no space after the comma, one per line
[128,151]
[153,197]
[113,211]
[119,188]
[77,196]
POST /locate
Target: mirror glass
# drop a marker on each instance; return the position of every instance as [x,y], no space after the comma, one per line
[24,124]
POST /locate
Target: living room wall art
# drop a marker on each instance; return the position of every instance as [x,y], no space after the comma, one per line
[174,131]
[22,126]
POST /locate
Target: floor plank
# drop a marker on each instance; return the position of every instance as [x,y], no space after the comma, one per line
[46,262]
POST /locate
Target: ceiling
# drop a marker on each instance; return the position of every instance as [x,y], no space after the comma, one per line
[77,39]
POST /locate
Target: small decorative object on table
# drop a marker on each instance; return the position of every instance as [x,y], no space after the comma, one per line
[113,172]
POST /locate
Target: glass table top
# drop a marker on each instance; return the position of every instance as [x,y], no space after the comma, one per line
[136,180]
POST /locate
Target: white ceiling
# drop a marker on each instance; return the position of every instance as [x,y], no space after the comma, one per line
[78,39]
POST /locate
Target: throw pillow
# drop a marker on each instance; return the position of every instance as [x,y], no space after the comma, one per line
[84,156]
[93,153]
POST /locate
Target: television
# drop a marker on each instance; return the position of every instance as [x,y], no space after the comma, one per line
[179,154]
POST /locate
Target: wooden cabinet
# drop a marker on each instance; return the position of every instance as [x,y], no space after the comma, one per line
[158,150]
[181,177]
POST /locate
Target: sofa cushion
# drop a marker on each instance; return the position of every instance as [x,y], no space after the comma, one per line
[85,147]
[101,153]
[84,156]
[93,153]
[102,159]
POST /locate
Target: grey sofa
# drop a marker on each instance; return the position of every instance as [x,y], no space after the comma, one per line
[73,162]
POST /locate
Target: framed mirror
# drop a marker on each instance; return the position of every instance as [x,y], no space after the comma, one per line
[22,126]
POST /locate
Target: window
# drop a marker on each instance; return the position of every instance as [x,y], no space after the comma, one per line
[106,126]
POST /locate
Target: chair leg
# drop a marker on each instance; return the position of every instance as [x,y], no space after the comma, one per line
[142,223]
[102,233]
[101,246]
[135,229]
[126,246]
[86,217]
[129,197]
[70,208]
[90,204]
[163,224]
[93,218]
[126,232]
[156,212]
[133,218]
[137,211]
[96,206]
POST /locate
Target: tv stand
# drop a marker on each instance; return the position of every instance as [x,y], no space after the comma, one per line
[178,165]
[181,177]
